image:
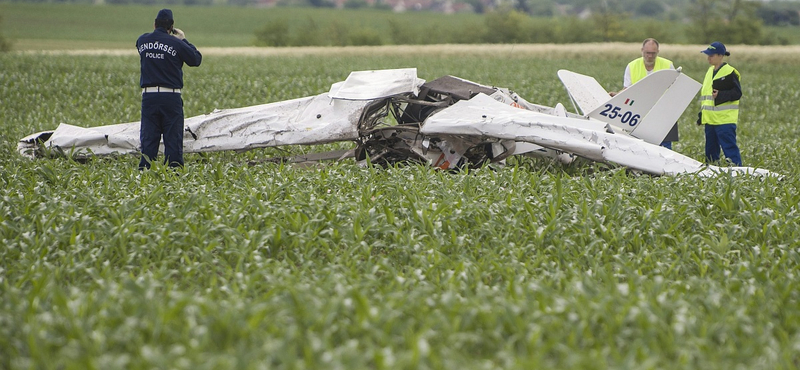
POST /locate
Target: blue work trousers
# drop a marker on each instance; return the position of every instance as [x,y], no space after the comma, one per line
[162,115]
[722,136]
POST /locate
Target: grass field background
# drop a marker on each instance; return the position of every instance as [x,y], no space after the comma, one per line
[70,26]
[50,26]
[271,266]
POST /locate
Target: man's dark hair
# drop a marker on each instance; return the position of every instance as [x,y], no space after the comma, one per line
[164,23]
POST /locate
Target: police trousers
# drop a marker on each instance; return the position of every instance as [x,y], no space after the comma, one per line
[162,116]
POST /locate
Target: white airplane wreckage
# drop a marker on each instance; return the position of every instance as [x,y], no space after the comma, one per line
[393,116]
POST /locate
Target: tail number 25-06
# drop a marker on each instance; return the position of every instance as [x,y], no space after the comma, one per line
[627,117]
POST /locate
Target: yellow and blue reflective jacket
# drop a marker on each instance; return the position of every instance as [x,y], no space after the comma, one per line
[724,112]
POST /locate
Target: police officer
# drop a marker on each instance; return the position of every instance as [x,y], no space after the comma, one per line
[640,68]
[719,105]
[162,54]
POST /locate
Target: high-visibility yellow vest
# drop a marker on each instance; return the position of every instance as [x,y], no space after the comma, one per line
[638,71]
[724,113]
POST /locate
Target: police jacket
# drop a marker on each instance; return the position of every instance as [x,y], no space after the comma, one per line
[162,56]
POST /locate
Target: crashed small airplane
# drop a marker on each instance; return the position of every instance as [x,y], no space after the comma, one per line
[393,116]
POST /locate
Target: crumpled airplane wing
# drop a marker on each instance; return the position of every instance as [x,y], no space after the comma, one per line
[371,85]
[483,116]
[324,118]
[310,120]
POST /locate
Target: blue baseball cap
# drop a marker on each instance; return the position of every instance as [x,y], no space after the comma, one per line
[716,47]
[165,14]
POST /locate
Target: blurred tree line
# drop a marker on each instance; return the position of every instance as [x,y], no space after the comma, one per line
[700,22]
[528,21]
[770,12]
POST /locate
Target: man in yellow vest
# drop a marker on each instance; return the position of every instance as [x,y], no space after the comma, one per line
[639,68]
[719,105]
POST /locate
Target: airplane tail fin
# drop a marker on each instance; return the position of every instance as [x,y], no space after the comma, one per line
[584,91]
[646,110]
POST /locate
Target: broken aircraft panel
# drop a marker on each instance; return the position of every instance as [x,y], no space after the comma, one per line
[393,116]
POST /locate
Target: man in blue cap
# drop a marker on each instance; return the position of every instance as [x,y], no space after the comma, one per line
[719,105]
[162,54]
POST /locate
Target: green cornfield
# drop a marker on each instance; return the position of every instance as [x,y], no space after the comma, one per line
[229,265]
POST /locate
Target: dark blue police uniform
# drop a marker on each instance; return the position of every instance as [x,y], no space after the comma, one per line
[162,56]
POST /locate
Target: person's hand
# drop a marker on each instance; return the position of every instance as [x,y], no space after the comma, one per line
[714,93]
[178,33]
[614,93]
